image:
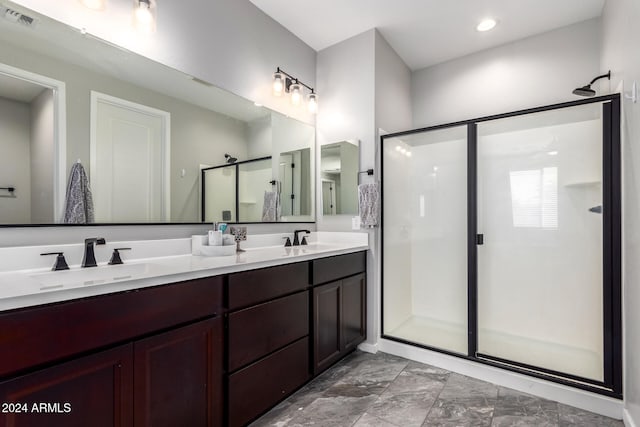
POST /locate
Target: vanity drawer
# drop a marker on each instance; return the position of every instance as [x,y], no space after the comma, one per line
[34,336]
[258,387]
[329,269]
[257,331]
[256,286]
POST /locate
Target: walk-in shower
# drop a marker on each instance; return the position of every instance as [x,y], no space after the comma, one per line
[501,241]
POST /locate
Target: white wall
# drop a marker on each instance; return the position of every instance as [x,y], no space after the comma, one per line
[532,72]
[14,161]
[365,86]
[42,131]
[229,43]
[620,36]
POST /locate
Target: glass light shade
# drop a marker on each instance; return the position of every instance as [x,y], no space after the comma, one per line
[144,16]
[312,103]
[278,84]
[296,93]
[94,4]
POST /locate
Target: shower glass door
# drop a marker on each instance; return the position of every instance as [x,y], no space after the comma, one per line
[540,261]
[425,238]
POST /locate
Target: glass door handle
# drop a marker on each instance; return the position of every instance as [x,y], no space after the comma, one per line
[596,209]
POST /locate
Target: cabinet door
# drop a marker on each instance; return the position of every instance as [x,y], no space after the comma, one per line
[353,312]
[327,319]
[178,377]
[92,391]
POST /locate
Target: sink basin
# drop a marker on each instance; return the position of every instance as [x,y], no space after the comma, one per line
[94,276]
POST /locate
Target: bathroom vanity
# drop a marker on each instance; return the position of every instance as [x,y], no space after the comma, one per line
[215,350]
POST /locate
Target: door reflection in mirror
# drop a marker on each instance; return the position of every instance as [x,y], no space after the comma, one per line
[339,163]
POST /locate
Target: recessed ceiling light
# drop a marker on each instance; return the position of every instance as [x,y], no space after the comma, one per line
[486,25]
[552,153]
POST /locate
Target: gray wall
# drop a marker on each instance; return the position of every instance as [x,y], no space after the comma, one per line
[42,131]
[14,161]
[535,71]
[620,36]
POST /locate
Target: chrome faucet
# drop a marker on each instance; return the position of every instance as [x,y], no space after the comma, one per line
[89,258]
[297,242]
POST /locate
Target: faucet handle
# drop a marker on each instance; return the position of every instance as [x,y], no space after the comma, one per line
[60,264]
[115,257]
[288,242]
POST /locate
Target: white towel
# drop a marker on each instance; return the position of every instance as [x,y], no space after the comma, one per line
[270,206]
[79,204]
[368,204]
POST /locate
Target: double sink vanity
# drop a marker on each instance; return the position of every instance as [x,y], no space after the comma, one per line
[171,339]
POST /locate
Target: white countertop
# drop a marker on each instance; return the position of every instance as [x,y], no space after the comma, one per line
[36,286]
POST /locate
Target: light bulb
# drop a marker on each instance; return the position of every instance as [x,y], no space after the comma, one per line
[296,93]
[143,16]
[486,25]
[94,4]
[312,104]
[278,84]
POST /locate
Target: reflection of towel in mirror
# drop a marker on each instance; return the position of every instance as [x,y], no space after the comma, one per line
[270,206]
[79,203]
[368,204]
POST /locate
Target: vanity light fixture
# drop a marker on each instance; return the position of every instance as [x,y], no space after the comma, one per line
[284,82]
[486,25]
[144,15]
[94,4]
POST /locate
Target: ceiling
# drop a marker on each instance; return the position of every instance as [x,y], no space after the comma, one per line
[426,32]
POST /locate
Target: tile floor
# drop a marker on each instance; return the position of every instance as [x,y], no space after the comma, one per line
[366,390]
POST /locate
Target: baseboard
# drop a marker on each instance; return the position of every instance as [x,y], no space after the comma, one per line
[627,419]
[368,348]
[582,399]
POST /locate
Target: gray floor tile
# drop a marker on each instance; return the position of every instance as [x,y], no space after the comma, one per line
[461,387]
[570,416]
[367,420]
[512,403]
[472,411]
[387,391]
[333,412]
[407,409]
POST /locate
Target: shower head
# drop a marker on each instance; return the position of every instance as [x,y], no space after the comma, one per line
[586,90]
[230,159]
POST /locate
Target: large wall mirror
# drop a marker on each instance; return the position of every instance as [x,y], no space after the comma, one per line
[339,166]
[142,132]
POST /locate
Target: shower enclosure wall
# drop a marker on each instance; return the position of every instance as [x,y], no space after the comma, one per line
[501,241]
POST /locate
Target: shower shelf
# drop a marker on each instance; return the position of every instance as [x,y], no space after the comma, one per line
[578,184]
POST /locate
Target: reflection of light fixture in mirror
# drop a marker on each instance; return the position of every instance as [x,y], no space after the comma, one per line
[312,102]
[284,82]
[278,84]
[144,15]
[95,4]
[296,93]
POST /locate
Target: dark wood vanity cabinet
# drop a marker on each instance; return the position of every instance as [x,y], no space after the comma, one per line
[162,356]
[339,308]
[95,390]
[160,373]
[178,377]
[268,339]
